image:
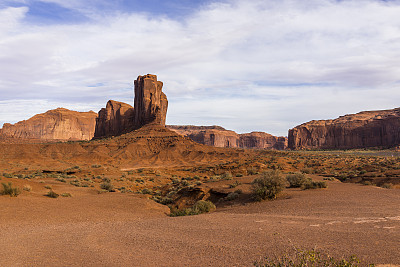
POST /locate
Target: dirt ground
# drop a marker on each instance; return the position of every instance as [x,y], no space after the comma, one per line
[114,229]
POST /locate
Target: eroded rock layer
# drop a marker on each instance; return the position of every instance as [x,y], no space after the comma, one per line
[115,119]
[220,137]
[361,130]
[151,103]
[58,124]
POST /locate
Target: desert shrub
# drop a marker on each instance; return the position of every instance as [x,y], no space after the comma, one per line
[66,195]
[201,206]
[310,184]
[231,196]
[252,171]
[7,175]
[47,186]
[300,258]
[96,166]
[268,186]
[147,191]
[329,179]
[366,183]
[236,183]
[204,206]
[107,186]
[52,194]
[163,200]
[239,175]
[387,186]
[226,176]
[296,179]
[8,189]
[61,180]
[27,188]
[238,191]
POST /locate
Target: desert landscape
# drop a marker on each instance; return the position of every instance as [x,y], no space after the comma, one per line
[200,133]
[120,188]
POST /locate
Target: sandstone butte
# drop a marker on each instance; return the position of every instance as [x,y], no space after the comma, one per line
[220,137]
[59,124]
[150,107]
[365,129]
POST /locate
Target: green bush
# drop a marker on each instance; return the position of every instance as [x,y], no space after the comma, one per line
[296,179]
[268,186]
[8,189]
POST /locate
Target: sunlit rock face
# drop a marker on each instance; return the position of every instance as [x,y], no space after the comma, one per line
[361,130]
[58,124]
[151,103]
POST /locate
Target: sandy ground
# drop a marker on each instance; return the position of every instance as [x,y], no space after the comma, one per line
[115,229]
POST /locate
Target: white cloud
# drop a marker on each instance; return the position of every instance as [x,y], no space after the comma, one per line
[245,65]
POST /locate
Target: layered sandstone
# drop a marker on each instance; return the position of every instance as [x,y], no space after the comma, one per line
[150,107]
[58,124]
[115,119]
[361,130]
[151,103]
[220,137]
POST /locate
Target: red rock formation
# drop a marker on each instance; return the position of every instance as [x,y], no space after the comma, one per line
[220,137]
[114,120]
[151,103]
[261,140]
[361,130]
[58,124]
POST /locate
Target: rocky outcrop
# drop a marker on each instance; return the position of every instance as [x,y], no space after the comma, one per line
[58,124]
[114,120]
[220,137]
[150,107]
[261,140]
[151,103]
[361,130]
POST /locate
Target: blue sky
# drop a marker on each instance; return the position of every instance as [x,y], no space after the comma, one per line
[260,65]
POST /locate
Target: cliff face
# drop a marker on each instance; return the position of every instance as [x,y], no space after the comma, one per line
[114,120]
[150,107]
[220,137]
[361,130]
[58,124]
[261,140]
[151,103]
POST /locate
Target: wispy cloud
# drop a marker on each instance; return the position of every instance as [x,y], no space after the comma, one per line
[246,65]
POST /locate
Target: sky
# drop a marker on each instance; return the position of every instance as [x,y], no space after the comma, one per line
[246,65]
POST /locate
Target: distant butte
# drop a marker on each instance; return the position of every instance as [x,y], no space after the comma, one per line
[59,124]
[361,130]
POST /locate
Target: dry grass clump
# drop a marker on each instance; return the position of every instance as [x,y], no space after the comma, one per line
[27,188]
[8,189]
